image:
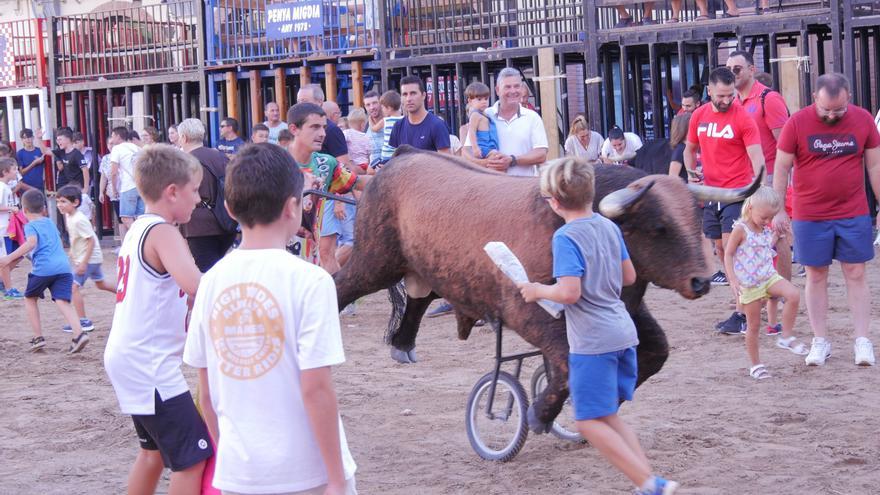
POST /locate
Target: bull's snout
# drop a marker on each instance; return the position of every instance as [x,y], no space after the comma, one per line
[701,285]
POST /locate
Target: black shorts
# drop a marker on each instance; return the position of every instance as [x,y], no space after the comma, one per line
[176,430]
[718,218]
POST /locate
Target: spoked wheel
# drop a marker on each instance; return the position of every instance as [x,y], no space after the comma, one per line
[564,426]
[497,434]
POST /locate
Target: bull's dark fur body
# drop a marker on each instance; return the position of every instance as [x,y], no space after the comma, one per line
[432,214]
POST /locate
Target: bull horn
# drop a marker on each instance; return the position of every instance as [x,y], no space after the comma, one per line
[722,195]
[616,203]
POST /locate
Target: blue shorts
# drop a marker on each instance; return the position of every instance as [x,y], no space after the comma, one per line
[598,382]
[131,204]
[60,286]
[93,271]
[847,240]
[331,225]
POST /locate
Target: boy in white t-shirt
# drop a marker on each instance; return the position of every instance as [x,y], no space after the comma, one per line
[8,173]
[85,252]
[144,349]
[264,333]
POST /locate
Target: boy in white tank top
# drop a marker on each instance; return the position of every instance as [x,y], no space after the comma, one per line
[156,273]
[264,333]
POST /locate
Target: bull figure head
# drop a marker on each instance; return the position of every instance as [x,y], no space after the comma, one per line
[661,225]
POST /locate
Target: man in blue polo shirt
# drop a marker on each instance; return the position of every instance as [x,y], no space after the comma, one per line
[419,128]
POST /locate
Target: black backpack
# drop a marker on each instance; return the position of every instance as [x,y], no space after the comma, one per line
[764,94]
[218,207]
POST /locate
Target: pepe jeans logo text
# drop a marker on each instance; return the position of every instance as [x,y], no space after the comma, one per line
[833,144]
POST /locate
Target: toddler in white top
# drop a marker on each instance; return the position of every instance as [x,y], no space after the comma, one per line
[748,261]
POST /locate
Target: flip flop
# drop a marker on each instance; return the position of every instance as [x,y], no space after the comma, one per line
[729,16]
[702,18]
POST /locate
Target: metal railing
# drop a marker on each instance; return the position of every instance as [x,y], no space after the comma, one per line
[127,42]
[609,16]
[449,26]
[237,31]
[22,54]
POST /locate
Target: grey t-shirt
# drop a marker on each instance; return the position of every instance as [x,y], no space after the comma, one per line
[593,249]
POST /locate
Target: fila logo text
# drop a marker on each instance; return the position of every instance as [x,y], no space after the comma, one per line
[711,130]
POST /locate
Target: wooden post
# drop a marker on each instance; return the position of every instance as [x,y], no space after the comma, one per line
[256,97]
[232,95]
[184,100]
[357,82]
[546,71]
[330,81]
[305,76]
[281,91]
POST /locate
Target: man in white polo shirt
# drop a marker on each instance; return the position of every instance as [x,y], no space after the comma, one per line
[522,140]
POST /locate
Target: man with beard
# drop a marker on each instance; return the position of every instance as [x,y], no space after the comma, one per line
[831,143]
[768,109]
[730,144]
[376,125]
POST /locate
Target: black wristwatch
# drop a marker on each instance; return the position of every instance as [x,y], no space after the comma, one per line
[512,161]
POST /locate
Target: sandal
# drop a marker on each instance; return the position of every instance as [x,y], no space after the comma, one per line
[791,344]
[759,372]
[729,16]
[702,18]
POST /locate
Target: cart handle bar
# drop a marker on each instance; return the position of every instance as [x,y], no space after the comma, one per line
[334,197]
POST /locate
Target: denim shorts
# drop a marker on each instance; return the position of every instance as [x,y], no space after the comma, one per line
[93,271]
[60,286]
[331,225]
[130,204]
[847,240]
[598,382]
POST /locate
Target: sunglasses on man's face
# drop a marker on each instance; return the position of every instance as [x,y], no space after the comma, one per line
[736,69]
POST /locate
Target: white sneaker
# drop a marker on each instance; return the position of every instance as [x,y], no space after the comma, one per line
[820,350]
[864,351]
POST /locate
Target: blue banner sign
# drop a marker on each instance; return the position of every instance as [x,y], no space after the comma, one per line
[290,20]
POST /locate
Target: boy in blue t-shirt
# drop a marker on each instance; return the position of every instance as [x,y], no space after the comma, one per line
[591,265]
[51,271]
[31,159]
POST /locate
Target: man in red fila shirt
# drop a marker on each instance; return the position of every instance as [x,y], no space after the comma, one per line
[730,144]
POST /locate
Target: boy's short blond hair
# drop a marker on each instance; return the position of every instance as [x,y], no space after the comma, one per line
[570,181]
[357,118]
[161,165]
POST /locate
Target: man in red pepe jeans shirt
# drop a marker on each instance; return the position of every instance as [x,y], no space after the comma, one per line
[768,109]
[830,143]
[730,144]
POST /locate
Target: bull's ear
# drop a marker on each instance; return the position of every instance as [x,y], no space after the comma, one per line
[616,204]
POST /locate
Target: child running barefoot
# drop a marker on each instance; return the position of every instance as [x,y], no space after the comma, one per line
[591,264]
[748,261]
[85,253]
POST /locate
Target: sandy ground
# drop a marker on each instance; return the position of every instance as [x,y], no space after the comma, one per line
[702,420]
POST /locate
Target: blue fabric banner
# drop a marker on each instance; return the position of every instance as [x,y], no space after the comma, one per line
[291,20]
